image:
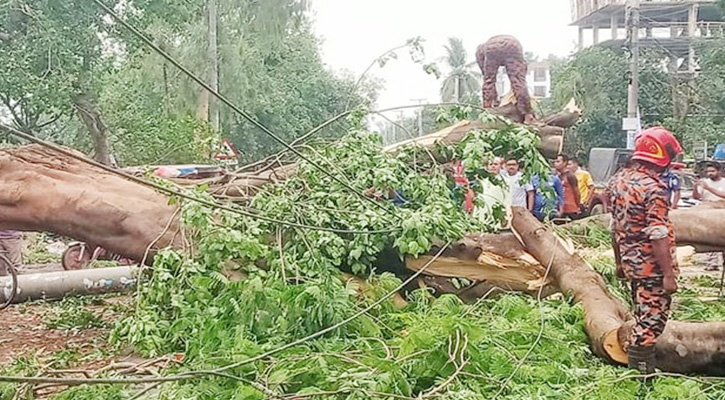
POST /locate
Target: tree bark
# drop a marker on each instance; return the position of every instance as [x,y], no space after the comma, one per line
[702,227]
[91,117]
[684,346]
[552,138]
[44,191]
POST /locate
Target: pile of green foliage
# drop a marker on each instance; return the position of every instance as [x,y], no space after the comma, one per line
[512,347]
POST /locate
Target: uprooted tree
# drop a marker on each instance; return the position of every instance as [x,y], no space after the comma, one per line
[44,191]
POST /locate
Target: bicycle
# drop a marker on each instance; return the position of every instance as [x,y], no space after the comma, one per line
[13,273]
[80,255]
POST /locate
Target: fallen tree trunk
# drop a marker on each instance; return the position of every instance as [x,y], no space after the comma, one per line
[684,347]
[498,261]
[552,137]
[702,227]
[243,185]
[42,190]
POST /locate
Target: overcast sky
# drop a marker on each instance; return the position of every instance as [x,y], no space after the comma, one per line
[355,32]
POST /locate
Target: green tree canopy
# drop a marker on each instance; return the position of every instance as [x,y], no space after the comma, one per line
[268,64]
[598,79]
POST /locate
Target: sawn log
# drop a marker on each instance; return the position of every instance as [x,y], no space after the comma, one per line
[685,347]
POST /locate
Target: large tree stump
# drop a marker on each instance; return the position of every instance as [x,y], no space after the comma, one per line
[684,347]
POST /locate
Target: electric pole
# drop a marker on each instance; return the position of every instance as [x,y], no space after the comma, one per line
[632,123]
[420,115]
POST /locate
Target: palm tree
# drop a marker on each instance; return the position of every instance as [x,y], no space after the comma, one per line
[462,81]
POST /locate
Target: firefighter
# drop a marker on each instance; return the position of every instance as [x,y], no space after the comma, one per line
[644,241]
[505,51]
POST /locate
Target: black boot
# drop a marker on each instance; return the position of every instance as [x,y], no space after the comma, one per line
[642,359]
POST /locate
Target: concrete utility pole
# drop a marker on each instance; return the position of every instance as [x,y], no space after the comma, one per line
[57,285]
[213,58]
[420,113]
[631,124]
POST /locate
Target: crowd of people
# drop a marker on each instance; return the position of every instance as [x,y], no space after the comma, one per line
[564,194]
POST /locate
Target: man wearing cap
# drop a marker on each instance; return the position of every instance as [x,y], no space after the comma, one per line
[644,241]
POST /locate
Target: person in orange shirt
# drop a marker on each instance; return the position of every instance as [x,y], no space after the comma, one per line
[572,206]
[584,180]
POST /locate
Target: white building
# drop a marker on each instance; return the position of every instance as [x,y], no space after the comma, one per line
[538,80]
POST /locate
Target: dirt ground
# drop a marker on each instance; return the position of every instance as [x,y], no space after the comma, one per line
[25,334]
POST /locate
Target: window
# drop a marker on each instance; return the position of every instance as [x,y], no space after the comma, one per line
[540,91]
[540,75]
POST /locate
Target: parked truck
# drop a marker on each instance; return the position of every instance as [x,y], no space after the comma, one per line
[605,162]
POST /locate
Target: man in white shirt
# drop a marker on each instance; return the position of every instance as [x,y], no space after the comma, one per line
[521,193]
[492,195]
[711,189]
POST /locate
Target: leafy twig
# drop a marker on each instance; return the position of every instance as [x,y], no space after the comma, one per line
[220,371]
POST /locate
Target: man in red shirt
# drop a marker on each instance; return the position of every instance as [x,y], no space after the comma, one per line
[644,241]
[571,207]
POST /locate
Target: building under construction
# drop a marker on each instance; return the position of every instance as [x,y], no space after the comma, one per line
[672,26]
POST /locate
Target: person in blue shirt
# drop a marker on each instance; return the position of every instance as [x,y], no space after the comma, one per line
[545,206]
[672,180]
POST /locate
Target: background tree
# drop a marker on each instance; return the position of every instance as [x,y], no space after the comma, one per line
[268,64]
[51,54]
[597,78]
[67,68]
[705,119]
[462,83]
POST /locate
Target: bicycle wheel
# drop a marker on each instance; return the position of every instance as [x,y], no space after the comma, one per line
[76,256]
[14,277]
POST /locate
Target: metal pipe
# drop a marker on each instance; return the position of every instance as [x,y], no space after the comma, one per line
[57,285]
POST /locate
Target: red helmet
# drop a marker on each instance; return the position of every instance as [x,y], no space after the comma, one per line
[657,146]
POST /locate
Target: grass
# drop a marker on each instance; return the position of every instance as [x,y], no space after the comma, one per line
[36,251]
[74,313]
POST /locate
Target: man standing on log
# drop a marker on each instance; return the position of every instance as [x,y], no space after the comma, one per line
[505,51]
[644,241]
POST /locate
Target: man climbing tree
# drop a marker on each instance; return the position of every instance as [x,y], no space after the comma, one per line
[644,241]
[505,51]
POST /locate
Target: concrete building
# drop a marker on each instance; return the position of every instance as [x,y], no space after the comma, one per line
[674,26]
[538,80]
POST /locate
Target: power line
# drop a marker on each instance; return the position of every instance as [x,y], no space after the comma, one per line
[173,192]
[235,108]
